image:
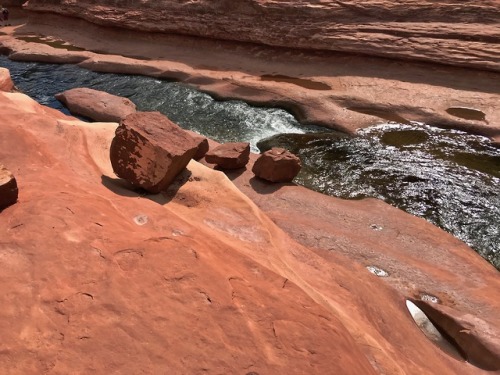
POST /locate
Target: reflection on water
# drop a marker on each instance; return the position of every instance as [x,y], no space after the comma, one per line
[448,177]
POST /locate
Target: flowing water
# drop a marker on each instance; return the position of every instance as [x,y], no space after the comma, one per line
[448,177]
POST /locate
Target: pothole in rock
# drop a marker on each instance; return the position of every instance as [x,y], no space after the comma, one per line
[432,332]
[306,83]
[141,220]
[429,298]
[377,271]
[467,113]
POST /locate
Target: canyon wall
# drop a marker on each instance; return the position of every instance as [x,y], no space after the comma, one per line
[449,32]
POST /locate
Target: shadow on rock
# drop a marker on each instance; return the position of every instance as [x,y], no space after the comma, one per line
[264,187]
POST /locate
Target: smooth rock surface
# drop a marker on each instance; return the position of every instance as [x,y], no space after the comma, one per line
[449,32]
[277,165]
[200,279]
[231,155]
[96,105]
[150,151]
[8,188]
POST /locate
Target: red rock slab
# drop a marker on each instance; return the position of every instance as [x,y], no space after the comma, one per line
[229,155]
[8,188]
[96,105]
[277,165]
[102,280]
[150,151]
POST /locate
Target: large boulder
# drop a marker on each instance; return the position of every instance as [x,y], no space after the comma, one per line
[277,165]
[8,188]
[96,105]
[229,155]
[6,83]
[149,150]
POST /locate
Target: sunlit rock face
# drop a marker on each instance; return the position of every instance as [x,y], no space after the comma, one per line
[450,32]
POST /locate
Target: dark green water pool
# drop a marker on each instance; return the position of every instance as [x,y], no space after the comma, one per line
[450,178]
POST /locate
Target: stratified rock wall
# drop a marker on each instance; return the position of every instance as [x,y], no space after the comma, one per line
[447,31]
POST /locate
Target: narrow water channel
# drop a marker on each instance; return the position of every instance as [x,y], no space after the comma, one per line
[448,177]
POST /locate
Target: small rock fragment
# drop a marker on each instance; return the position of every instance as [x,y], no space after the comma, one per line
[277,165]
[229,155]
[8,188]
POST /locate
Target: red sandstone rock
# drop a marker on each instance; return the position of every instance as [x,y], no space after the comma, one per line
[229,155]
[206,282]
[202,142]
[6,83]
[96,105]
[149,150]
[8,188]
[448,32]
[477,339]
[277,165]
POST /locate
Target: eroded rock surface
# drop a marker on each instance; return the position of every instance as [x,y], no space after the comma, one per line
[8,188]
[149,150]
[232,155]
[277,165]
[101,279]
[449,32]
[96,105]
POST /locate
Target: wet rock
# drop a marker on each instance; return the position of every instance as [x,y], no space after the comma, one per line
[6,83]
[149,150]
[8,188]
[229,155]
[202,142]
[277,165]
[96,105]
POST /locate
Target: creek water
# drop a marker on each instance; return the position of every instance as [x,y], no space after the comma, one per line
[448,177]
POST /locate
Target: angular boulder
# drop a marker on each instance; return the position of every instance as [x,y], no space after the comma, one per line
[229,155]
[6,83]
[277,165]
[8,188]
[149,150]
[96,105]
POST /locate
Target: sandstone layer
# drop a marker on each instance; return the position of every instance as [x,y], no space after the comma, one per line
[200,279]
[450,32]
